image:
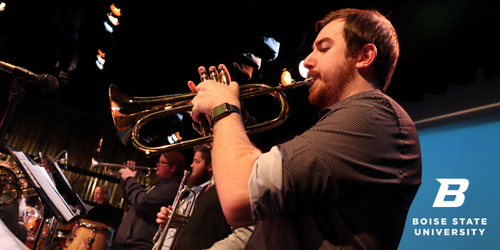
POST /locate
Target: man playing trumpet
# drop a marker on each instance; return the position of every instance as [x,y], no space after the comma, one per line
[139,226]
[348,181]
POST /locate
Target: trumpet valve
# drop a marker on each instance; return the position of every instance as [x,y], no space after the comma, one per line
[213,74]
[224,76]
[204,76]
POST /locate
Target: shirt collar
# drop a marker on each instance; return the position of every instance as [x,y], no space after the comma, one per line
[197,189]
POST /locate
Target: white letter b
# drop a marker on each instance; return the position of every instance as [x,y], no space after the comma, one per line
[443,192]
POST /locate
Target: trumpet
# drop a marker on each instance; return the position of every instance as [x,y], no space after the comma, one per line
[108,168]
[177,218]
[130,113]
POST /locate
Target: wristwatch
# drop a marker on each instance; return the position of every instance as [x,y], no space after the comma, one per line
[222,111]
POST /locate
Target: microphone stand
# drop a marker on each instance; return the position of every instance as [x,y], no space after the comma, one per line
[16,94]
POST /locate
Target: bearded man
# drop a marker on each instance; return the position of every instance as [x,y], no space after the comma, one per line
[347,182]
[207,227]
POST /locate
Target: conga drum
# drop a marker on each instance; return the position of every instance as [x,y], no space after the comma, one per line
[66,228]
[30,241]
[90,235]
[33,221]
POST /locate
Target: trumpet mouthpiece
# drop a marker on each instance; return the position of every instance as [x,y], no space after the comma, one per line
[308,81]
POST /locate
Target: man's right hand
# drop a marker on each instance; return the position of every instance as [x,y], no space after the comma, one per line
[127,172]
[163,216]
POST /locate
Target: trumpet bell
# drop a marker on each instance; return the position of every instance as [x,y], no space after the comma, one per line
[127,110]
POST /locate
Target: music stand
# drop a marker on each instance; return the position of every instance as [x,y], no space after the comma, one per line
[57,202]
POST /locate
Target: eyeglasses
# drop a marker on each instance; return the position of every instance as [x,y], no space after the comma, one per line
[162,163]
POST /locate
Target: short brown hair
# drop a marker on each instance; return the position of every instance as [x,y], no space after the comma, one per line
[206,154]
[175,158]
[369,26]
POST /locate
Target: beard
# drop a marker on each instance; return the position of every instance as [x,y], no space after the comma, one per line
[198,178]
[330,89]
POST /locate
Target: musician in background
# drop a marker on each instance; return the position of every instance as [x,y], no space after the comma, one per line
[102,194]
[103,211]
[207,227]
[347,182]
[139,224]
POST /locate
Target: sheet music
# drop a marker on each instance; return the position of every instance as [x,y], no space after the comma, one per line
[42,180]
[9,240]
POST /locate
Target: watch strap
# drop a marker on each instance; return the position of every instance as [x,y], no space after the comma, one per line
[222,111]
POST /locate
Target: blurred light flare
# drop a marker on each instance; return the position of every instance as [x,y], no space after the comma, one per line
[116,11]
[303,70]
[113,19]
[108,27]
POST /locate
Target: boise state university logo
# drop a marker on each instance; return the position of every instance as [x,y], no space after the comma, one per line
[451,194]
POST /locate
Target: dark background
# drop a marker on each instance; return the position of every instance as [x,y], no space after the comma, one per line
[159,45]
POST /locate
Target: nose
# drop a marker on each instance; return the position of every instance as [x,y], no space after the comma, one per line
[310,62]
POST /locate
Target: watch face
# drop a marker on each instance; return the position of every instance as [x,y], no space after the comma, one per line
[223,108]
[219,112]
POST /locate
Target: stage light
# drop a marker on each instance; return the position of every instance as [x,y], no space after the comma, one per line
[113,19]
[273,45]
[102,54]
[116,11]
[255,59]
[108,27]
[303,70]
[99,65]
[175,137]
[2,6]
[100,61]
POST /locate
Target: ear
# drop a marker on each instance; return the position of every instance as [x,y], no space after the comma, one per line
[209,168]
[366,56]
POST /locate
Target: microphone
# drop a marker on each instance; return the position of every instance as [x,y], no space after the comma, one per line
[44,81]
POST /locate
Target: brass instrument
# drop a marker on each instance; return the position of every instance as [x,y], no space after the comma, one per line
[177,218]
[130,113]
[108,168]
[14,185]
[10,190]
